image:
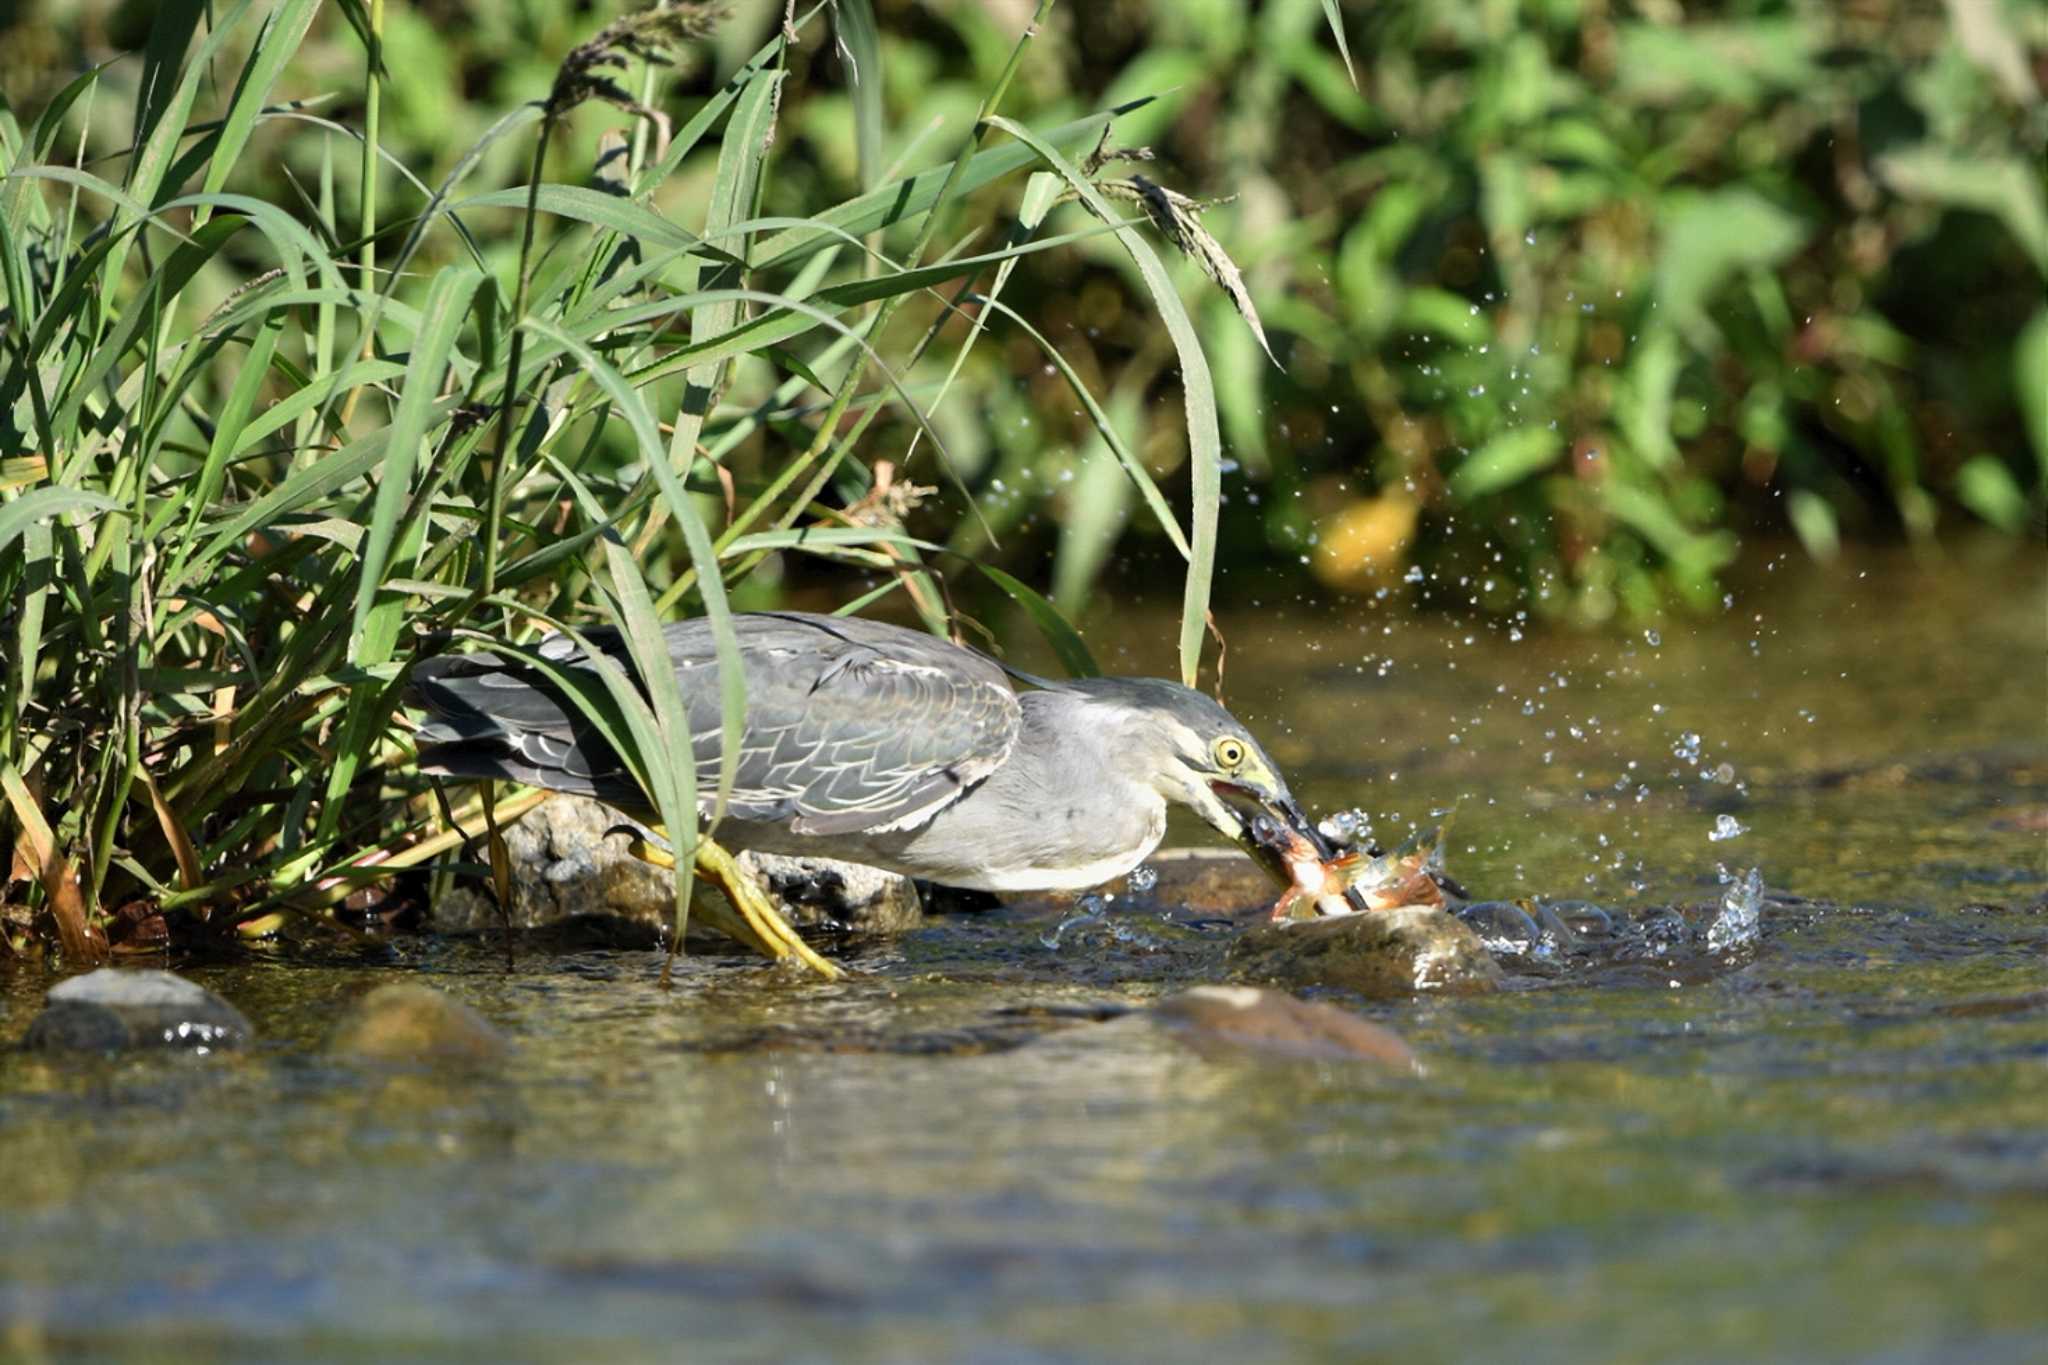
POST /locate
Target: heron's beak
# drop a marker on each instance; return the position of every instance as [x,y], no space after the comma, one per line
[1241,802]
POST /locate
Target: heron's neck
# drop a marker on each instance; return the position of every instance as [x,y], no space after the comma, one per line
[1063,744]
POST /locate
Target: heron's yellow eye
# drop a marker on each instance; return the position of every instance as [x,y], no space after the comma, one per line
[1229,752]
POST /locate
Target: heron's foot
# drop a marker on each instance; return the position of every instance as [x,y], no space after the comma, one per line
[749,914]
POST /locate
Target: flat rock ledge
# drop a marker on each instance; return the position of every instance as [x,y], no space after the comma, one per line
[1382,954]
[117,1009]
[564,869]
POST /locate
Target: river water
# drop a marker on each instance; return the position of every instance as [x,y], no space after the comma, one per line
[1826,1142]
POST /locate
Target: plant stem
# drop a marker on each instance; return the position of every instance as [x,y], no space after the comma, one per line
[373,99]
[857,371]
[494,515]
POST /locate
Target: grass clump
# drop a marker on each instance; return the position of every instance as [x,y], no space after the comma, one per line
[282,416]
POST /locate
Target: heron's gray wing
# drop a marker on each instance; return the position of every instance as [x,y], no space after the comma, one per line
[851,724]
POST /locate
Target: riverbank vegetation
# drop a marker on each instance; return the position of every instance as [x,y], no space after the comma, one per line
[337,335]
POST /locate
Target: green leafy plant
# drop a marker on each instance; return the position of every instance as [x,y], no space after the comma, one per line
[265,454]
[1569,300]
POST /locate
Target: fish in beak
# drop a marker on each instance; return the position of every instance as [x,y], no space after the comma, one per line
[1272,827]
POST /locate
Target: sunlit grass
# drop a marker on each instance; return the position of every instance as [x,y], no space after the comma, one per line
[272,454]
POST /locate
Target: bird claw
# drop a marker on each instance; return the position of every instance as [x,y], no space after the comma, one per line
[752,917]
[645,843]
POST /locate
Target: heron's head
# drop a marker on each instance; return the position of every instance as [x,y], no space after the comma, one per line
[1189,749]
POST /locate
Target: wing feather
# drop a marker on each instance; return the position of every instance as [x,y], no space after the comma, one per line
[851,725]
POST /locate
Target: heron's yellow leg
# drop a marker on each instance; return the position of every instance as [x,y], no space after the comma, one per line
[752,918]
[753,905]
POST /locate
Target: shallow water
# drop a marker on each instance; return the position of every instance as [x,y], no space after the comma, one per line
[1830,1143]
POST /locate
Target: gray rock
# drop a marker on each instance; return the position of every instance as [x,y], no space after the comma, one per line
[408,1022]
[1381,954]
[1215,1019]
[564,868]
[115,1008]
[822,892]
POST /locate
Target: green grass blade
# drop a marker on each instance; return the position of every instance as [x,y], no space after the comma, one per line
[446,308]
[671,760]
[309,397]
[32,591]
[170,34]
[647,437]
[690,134]
[1104,428]
[1099,506]
[912,195]
[860,52]
[758,339]
[301,488]
[1336,19]
[733,195]
[41,504]
[241,401]
[586,205]
[1058,631]
[1205,443]
[277,42]
[146,169]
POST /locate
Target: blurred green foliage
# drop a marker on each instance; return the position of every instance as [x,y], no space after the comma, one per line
[1597,290]
[1576,293]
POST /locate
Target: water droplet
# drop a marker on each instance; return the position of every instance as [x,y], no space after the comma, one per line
[1727,827]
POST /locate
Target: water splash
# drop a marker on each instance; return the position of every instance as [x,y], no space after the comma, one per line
[1346,828]
[1088,914]
[1503,926]
[1095,928]
[1741,915]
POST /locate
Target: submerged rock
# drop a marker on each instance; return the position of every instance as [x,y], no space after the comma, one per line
[564,869]
[1211,1018]
[117,1008]
[1382,954]
[408,1022]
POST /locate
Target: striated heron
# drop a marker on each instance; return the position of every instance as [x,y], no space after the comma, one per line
[874,744]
